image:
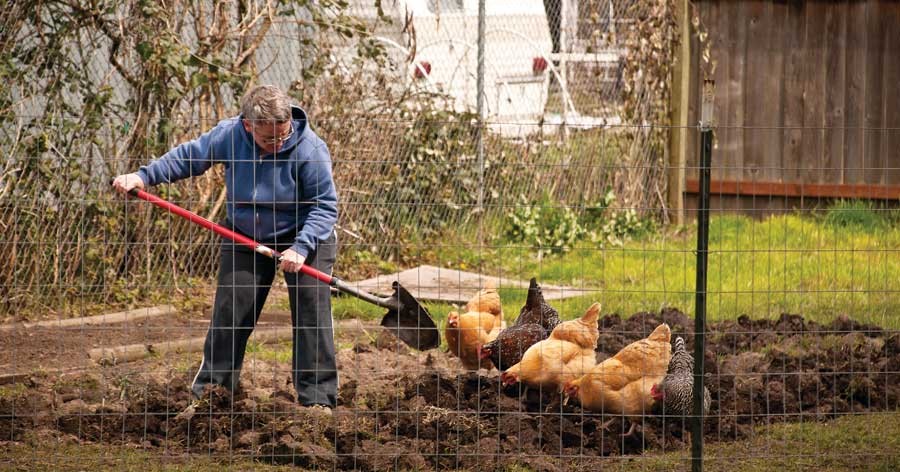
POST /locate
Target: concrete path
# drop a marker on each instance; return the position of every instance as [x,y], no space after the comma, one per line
[455,286]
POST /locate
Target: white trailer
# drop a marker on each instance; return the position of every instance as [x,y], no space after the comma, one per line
[435,41]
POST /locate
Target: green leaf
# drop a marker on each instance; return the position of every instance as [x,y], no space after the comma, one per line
[145,50]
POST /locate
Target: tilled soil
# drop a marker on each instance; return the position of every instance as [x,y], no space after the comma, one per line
[411,410]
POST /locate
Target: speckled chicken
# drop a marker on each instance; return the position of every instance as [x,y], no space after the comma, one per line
[675,394]
[511,344]
[537,310]
[535,322]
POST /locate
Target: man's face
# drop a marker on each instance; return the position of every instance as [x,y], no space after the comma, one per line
[270,136]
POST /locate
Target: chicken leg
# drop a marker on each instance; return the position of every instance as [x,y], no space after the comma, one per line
[605,427]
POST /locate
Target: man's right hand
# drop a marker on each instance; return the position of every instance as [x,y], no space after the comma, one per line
[125,182]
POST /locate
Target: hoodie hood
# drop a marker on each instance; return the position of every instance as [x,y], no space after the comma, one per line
[301,127]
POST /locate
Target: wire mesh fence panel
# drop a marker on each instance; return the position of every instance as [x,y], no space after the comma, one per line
[531,306]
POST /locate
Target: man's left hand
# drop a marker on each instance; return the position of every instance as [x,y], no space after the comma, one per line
[291,261]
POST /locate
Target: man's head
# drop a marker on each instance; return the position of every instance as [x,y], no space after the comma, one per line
[266,112]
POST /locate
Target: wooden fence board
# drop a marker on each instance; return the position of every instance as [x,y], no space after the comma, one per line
[756,118]
[719,22]
[856,93]
[794,94]
[875,57]
[814,112]
[835,69]
[774,104]
[797,189]
[891,147]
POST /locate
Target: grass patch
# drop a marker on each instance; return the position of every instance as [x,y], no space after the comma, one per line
[278,352]
[45,455]
[869,442]
[859,213]
[12,391]
[783,264]
[348,307]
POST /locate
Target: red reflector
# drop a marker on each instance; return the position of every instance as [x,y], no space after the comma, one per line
[423,69]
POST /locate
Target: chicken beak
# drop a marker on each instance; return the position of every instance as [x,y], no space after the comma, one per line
[569,391]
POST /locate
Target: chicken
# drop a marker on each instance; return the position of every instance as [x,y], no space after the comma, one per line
[511,344]
[480,324]
[567,354]
[486,301]
[674,395]
[535,322]
[536,309]
[621,385]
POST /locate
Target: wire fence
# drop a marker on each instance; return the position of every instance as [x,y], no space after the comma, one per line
[799,345]
[415,136]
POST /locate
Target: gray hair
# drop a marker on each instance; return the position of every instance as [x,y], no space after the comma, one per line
[266,103]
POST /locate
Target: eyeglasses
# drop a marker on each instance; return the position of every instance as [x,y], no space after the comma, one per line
[278,139]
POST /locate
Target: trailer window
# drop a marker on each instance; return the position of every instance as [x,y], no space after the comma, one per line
[445,6]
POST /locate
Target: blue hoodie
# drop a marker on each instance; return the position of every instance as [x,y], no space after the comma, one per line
[290,193]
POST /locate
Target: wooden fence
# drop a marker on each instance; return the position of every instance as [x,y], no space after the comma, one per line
[807,102]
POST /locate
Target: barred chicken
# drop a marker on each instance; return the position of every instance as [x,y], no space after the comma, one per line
[675,394]
[621,385]
[481,323]
[567,354]
[535,322]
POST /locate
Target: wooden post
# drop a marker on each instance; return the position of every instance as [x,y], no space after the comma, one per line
[680,96]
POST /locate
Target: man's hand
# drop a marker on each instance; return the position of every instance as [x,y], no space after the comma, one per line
[125,182]
[291,261]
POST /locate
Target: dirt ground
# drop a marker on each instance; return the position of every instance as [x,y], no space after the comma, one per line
[400,409]
[67,348]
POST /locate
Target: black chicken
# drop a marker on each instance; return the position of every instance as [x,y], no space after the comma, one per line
[674,396]
[535,322]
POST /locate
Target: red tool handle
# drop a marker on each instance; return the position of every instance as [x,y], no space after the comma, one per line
[236,237]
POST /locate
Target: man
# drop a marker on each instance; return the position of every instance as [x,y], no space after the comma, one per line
[280,193]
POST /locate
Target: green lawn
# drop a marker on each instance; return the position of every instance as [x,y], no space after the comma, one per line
[817,267]
[47,455]
[863,442]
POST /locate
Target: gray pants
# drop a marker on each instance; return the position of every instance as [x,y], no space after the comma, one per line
[245,278]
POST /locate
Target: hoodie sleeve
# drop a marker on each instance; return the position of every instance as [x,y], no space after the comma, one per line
[318,190]
[185,160]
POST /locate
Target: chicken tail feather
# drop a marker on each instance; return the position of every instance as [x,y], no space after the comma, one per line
[662,333]
[679,345]
[591,316]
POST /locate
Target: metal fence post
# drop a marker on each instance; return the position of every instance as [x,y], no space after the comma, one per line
[706,137]
[480,102]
